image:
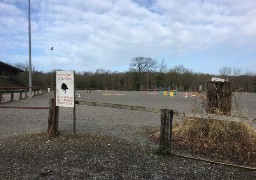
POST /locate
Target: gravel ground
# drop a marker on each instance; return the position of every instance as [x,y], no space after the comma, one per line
[110,143]
[246,102]
[96,157]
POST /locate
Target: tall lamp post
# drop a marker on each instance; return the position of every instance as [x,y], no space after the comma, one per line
[29,52]
[51,68]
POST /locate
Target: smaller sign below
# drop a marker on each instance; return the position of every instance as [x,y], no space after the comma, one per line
[215,79]
[65,88]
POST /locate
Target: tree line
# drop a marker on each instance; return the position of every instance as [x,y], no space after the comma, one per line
[145,74]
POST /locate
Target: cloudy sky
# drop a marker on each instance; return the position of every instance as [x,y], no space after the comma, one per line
[202,35]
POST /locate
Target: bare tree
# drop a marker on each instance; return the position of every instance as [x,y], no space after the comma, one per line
[225,71]
[142,65]
[100,71]
[162,67]
[236,71]
[180,76]
[21,66]
[180,69]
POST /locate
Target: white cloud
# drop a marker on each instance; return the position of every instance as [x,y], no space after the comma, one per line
[108,33]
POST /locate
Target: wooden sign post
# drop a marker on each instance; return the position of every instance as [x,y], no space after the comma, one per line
[65,91]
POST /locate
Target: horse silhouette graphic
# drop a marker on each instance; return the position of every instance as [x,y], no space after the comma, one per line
[64,87]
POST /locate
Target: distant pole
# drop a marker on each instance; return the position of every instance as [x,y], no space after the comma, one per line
[29,51]
[147,80]
[51,68]
[74,108]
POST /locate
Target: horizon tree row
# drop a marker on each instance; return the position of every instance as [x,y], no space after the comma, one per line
[146,73]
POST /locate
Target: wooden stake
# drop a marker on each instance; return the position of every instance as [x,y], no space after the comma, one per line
[53,118]
[166,128]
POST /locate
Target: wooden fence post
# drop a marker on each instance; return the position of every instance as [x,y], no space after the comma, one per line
[1,97]
[171,120]
[57,118]
[26,94]
[12,95]
[166,129]
[20,94]
[50,117]
[53,119]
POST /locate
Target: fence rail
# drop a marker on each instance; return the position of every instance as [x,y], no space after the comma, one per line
[11,91]
[53,109]
[119,106]
[122,106]
[23,107]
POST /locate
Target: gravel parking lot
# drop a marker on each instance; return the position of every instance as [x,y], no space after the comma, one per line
[130,157]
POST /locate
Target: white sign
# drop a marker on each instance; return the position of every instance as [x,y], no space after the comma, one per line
[214,79]
[65,88]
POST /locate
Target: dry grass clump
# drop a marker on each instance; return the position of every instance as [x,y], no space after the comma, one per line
[220,140]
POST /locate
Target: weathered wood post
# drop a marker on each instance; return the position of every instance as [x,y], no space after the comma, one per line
[219,96]
[166,129]
[12,95]
[50,117]
[20,95]
[53,118]
[171,120]
[56,119]
[26,93]
[1,96]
